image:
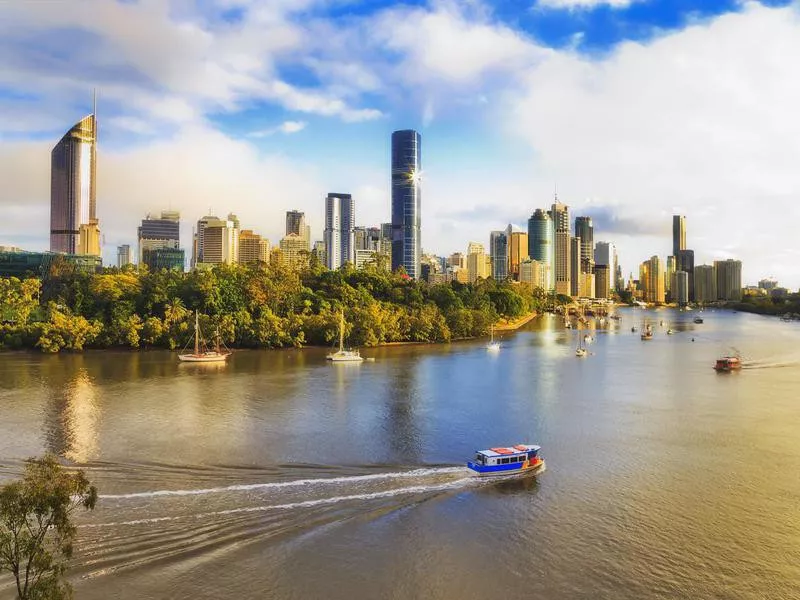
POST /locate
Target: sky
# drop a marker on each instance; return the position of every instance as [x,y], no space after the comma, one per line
[633,110]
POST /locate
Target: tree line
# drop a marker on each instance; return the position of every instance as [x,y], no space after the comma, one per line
[249,306]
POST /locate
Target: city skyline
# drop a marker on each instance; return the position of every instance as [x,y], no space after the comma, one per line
[492,108]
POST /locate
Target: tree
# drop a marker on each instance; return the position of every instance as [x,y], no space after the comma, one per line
[36,533]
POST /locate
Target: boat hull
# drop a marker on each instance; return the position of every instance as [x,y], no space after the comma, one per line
[199,358]
[345,357]
[526,468]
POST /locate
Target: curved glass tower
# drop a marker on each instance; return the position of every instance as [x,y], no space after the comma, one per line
[406,201]
[73,169]
[540,238]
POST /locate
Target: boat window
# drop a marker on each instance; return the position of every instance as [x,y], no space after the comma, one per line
[479,458]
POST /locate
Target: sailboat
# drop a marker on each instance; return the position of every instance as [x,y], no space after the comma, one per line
[492,346]
[202,354]
[580,351]
[343,355]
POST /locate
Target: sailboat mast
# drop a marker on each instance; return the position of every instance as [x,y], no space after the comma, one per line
[196,332]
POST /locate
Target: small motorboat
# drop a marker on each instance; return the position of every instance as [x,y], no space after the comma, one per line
[670,331]
[726,364]
[698,320]
[647,334]
[512,460]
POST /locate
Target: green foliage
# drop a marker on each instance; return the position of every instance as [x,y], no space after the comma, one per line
[36,532]
[265,305]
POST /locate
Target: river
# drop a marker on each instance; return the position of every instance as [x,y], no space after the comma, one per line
[282,476]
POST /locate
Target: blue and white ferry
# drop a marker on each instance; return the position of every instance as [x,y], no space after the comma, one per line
[522,458]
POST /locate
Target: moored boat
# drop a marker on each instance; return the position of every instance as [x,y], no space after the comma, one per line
[492,346]
[698,320]
[728,363]
[343,355]
[647,334]
[511,460]
[202,354]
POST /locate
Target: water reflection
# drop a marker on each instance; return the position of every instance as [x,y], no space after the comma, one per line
[74,418]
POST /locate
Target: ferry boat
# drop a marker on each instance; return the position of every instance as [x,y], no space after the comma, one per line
[728,363]
[512,460]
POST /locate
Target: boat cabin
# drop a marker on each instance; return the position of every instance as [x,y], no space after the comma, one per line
[728,363]
[510,458]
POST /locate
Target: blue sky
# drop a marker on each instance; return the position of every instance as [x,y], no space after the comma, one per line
[634,109]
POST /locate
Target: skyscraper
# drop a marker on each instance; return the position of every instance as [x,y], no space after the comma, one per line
[216,241]
[540,241]
[575,266]
[678,234]
[123,255]
[295,222]
[585,231]
[559,213]
[406,201]
[684,261]
[158,233]
[339,230]
[705,283]
[73,191]
[498,250]
[517,250]
[729,279]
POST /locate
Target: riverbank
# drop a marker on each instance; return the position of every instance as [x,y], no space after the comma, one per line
[513,325]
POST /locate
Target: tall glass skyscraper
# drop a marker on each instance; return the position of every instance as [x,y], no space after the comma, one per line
[406,201]
[339,230]
[73,175]
[678,234]
[585,231]
[498,250]
[540,240]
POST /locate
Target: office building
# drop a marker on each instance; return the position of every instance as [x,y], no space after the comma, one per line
[154,233]
[651,280]
[669,278]
[678,234]
[124,255]
[535,274]
[559,215]
[157,259]
[575,266]
[294,251]
[585,231]
[340,244]
[74,228]
[684,261]
[680,287]
[498,252]
[705,284]
[478,262]
[517,251]
[406,201]
[729,279]
[216,241]
[540,241]
[295,223]
[605,253]
[457,259]
[319,253]
[253,248]
[602,279]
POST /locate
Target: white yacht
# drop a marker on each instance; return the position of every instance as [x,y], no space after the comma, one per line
[202,354]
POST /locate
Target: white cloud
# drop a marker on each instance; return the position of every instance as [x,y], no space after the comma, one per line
[286,127]
[584,4]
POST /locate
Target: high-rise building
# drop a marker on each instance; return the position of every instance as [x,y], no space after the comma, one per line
[295,222]
[678,234]
[124,256]
[705,283]
[252,248]
[605,253]
[684,261]
[729,279]
[319,252]
[517,250]
[216,241]
[159,233]
[535,274]
[602,278]
[575,266]
[478,262]
[406,201]
[585,231]
[457,259]
[157,259]
[73,191]
[340,230]
[680,287]
[651,280]
[498,251]
[559,215]
[294,250]
[669,278]
[540,240]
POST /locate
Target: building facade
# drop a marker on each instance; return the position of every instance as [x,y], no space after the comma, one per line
[517,251]
[124,255]
[651,280]
[73,190]
[340,245]
[678,234]
[540,241]
[705,283]
[498,252]
[253,248]
[294,251]
[729,279]
[680,287]
[406,201]
[585,230]
[684,261]
[163,232]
